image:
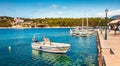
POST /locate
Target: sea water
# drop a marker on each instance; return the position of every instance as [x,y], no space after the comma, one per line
[16,50]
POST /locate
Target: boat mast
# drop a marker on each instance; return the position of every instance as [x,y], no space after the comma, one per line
[87,24]
[82,21]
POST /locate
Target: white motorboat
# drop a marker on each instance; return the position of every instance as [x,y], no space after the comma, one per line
[52,47]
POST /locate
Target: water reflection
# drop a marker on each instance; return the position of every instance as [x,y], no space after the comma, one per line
[51,58]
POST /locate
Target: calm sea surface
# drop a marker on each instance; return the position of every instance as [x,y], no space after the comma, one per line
[15,48]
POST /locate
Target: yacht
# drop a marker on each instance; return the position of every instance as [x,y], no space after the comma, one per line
[81,31]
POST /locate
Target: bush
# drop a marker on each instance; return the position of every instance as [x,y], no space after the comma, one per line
[5,24]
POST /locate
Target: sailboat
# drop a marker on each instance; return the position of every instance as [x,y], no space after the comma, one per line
[85,32]
[82,31]
[75,31]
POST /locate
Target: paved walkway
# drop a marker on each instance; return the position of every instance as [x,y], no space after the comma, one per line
[110,48]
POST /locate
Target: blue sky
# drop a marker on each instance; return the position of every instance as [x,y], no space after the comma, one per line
[58,8]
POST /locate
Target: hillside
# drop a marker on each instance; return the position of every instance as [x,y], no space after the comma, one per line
[50,22]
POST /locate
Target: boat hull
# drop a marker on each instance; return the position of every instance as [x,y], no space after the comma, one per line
[82,33]
[53,48]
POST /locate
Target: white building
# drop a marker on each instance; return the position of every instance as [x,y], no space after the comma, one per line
[18,20]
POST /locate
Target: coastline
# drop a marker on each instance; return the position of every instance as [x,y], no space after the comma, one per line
[33,27]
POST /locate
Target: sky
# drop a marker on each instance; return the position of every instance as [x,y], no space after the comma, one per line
[59,8]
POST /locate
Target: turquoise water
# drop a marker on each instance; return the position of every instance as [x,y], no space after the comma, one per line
[15,48]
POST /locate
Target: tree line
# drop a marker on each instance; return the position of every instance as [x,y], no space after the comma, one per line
[6,21]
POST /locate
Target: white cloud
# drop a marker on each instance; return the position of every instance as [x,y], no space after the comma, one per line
[110,13]
[115,12]
[100,14]
[56,13]
[59,12]
[67,13]
[64,7]
[53,6]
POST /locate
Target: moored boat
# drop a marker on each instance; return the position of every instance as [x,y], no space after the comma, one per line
[52,47]
[82,31]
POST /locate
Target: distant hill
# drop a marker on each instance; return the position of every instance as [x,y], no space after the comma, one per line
[6,21]
[116,17]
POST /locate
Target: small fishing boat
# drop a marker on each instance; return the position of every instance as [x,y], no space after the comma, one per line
[48,46]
